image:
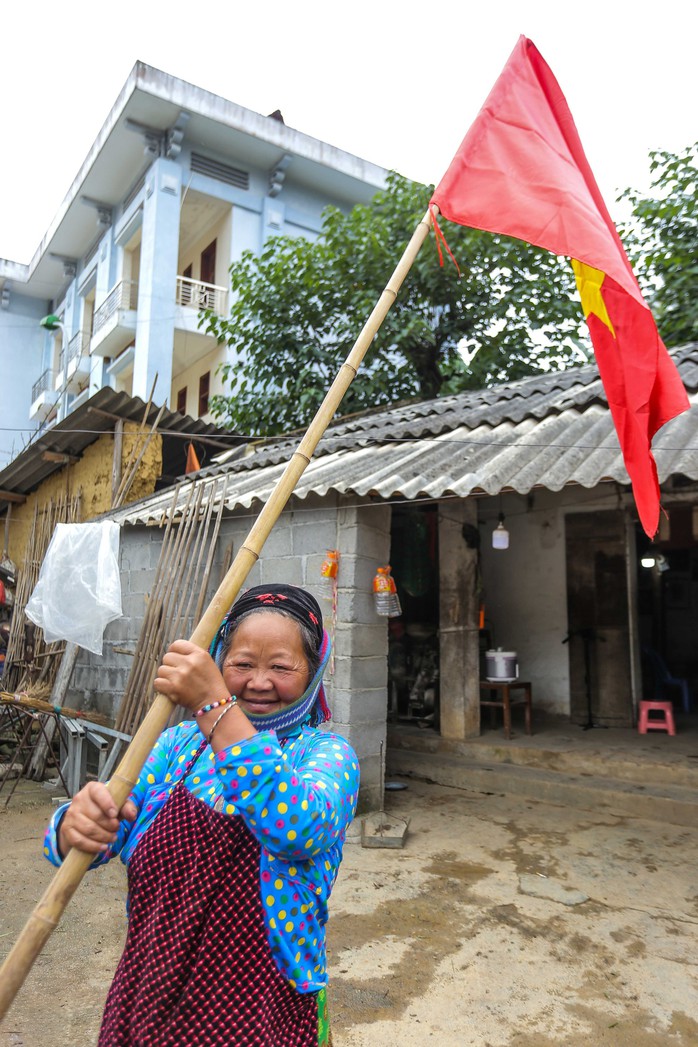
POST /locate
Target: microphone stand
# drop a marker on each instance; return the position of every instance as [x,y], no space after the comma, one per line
[587,635]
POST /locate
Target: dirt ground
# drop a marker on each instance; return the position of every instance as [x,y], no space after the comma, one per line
[500,923]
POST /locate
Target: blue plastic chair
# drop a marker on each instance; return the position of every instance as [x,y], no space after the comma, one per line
[663,679]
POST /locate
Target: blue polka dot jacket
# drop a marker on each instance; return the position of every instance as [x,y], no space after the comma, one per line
[297,801]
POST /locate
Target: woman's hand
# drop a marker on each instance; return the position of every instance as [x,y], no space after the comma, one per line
[189,676]
[92,820]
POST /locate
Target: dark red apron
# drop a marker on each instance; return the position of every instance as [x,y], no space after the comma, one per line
[197,970]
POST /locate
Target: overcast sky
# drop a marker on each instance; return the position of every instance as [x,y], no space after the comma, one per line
[396,84]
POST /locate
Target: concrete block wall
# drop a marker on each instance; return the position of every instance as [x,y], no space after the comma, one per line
[293,553]
[360,692]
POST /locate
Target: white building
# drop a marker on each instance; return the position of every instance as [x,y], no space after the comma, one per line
[178,183]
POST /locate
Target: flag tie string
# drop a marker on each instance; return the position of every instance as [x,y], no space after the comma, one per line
[441,239]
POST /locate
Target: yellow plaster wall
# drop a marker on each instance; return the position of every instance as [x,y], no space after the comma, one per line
[92,477]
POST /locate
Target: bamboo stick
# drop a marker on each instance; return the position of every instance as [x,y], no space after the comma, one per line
[170,598]
[152,625]
[59,892]
[196,534]
[153,612]
[211,551]
[194,562]
[117,452]
[193,580]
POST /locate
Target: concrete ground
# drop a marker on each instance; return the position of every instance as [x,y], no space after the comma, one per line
[503,921]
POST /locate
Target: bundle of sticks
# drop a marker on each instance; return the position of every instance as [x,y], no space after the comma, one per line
[178,592]
[37,662]
[39,705]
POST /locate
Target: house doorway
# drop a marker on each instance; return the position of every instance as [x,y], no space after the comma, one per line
[413,638]
[667,586]
[597,617]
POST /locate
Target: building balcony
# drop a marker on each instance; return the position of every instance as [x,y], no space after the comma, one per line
[43,396]
[79,399]
[191,296]
[74,363]
[114,324]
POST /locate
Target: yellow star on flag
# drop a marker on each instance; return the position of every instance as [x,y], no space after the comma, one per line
[589,281]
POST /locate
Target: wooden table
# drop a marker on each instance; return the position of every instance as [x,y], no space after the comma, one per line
[504,701]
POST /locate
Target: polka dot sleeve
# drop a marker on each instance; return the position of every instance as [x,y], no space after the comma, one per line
[299,800]
[154,772]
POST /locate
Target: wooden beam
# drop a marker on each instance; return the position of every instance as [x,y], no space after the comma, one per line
[59,458]
[116,473]
[12,496]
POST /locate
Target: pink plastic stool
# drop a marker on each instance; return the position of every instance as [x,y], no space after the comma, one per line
[663,723]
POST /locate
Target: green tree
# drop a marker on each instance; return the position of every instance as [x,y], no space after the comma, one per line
[662,241]
[299,306]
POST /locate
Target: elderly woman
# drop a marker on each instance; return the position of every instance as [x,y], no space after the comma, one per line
[233,838]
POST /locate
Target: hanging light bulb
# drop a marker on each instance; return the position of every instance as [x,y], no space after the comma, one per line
[500,535]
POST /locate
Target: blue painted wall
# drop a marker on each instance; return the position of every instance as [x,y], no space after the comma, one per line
[21,363]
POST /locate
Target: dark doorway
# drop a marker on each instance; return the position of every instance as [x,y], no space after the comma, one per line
[597,616]
[208,264]
[413,638]
[667,589]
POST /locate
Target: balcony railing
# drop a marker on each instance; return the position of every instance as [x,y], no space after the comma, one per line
[123,296]
[198,295]
[43,384]
[78,346]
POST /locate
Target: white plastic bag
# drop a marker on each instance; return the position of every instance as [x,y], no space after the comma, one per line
[79,589]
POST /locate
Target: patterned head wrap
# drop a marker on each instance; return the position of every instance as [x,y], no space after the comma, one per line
[312,706]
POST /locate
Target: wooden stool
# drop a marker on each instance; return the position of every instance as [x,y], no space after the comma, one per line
[663,723]
[504,688]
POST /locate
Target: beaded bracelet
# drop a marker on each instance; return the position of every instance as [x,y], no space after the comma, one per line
[216,705]
[228,706]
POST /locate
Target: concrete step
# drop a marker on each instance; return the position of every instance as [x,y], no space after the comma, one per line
[626,767]
[625,755]
[673,804]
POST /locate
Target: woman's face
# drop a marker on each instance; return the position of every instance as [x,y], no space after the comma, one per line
[265,665]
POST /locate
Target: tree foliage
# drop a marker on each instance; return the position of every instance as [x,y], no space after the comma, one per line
[662,239]
[299,306]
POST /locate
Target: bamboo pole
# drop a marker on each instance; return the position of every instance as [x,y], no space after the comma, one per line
[49,909]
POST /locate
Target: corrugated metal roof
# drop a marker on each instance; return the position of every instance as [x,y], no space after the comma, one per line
[86,424]
[546,431]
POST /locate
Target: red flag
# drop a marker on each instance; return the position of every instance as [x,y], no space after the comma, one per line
[192,460]
[521,171]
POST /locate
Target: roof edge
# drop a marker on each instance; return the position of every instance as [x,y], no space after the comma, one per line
[95,149]
[172,89]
